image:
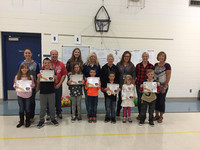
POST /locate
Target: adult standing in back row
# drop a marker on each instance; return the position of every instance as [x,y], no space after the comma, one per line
[75,59]
[61,73]
[125,67]
[162,75]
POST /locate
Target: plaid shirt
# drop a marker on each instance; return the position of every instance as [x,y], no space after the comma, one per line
[141,72]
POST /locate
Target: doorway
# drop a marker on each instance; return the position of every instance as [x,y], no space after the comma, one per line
[13,45]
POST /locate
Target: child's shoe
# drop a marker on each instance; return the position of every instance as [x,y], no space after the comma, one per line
[141,122]
[79,119]
[55,122]
[107,120]
[40,124]
[90,120]
[151,123]
[73,119]
[124,120]
[129,120]
[113,120]
[94,119]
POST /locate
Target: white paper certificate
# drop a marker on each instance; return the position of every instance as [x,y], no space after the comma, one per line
[93,81]
[76,79]
[150,87]
[113,89]
[47,76]
[23,85]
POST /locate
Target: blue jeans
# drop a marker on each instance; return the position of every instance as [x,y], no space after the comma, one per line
[58,95]
[110,107]
[92,105]
[24,104]
[32,104]
[160,102]
[139,95]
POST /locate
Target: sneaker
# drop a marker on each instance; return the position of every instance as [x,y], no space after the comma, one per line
[129,120]
[113,120]
[20,124]
[151,123]
[48,118]
[107,120]
[73,119]
[90,120]
[59,116]
[124,120]
[40,124]
[55,122]
[94,119]
[141,123]
[79,119]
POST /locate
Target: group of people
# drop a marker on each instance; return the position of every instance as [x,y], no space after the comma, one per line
[124,73]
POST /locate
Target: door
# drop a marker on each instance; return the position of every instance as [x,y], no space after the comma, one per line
[13,45]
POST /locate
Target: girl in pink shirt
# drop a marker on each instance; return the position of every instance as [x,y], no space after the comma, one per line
[24,94]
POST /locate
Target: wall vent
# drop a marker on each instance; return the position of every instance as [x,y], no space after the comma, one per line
[195,3]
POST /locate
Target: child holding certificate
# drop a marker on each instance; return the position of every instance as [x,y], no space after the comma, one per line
[47,93]
[23,84]
[111,91]
[149,87]
[128,96]
[92,93]
[75,82]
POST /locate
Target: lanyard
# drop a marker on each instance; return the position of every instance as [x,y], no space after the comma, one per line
[54,68]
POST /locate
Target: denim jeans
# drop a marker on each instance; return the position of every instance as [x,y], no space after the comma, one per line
[92,105]
[160,102]
[139,95]
[58,95]
[24,104]
[32,104]
[110,107]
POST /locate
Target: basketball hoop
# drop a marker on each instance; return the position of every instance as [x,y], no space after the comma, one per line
[102,20]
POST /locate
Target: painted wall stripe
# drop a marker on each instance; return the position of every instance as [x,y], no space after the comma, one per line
[89,135]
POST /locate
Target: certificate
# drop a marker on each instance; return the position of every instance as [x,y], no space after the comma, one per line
[150,87]
[23,85]
[93,81]
[47,76]
[113,89]
[128,95]
[76,79]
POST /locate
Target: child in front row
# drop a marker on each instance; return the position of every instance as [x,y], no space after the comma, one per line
[24,97]
[110,100]
[128,96]
[76,92]
[92,93]
[148,99]
[47,95]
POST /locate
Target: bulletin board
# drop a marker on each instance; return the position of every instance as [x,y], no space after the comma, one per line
[67,52]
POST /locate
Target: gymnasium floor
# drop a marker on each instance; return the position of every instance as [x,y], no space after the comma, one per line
[180,130]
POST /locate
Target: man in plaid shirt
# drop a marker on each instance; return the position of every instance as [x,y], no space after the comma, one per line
[141,75]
